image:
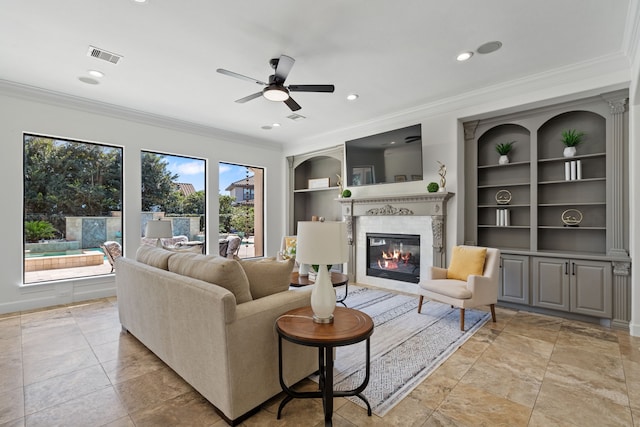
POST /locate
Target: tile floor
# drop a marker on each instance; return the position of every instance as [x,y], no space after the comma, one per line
[72,366]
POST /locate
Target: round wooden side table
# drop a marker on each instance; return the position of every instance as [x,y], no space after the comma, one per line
[349,327]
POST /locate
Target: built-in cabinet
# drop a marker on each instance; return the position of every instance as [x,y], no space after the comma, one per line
[561,222]
[514,278]
[577,286]
[310,195]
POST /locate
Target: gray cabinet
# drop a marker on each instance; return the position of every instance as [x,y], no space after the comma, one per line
[577,286]
[514,279]
[551,283]
[309,195]
[526,207]
[590,290]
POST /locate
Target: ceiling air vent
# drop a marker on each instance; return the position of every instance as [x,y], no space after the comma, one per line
[295,117]
[98,53]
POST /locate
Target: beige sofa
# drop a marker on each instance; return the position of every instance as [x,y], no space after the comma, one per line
[221,340]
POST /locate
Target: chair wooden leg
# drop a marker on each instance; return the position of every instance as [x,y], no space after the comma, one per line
[493,312]
[420,304]
[462,319]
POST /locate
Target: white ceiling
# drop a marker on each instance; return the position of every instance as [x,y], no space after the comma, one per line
[397,55]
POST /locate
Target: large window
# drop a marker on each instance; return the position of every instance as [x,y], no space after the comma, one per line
[173,189]
[72,206]
[241,197]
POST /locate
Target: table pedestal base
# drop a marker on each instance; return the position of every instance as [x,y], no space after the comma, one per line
[326,392]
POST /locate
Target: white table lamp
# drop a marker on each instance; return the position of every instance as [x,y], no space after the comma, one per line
[158,229]
[322,243]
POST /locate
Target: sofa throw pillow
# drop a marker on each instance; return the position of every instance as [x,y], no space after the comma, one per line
[153,256]
[224,272]
[466,261]
[268,276]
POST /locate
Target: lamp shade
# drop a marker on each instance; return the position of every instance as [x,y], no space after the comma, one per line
[158,229]
[322,242]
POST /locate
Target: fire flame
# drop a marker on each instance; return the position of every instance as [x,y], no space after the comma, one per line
[391,260]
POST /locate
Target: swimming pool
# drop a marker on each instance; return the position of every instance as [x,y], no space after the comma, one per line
[64,259]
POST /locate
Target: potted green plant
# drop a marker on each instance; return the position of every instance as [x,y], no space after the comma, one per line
[504,149]
[571,138]
[39,230]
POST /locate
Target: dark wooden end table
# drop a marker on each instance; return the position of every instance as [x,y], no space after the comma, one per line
[349,327]
[337,279]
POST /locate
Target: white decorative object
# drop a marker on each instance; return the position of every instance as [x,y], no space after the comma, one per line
[503,160]
[158,229]
[573,170]
[569,151]
[318,183]
[578,169]
[442,171]
[322,243]
[567,171]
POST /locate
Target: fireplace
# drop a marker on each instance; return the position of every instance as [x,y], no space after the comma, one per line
[394,256]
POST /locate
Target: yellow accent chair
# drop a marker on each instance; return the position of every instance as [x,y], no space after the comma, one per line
[470,281]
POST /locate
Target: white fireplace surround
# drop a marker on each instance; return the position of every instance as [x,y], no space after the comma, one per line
[421,214]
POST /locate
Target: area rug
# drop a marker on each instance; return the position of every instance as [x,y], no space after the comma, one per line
[406,347]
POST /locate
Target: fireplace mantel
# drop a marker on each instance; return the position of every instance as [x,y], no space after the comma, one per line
[425,204]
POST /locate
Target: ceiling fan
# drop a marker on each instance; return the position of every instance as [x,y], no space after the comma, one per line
[276,90]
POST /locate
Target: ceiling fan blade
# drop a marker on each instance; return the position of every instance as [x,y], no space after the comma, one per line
[292,104]
[311,88]
[285,63]
[240,76]
[249,98]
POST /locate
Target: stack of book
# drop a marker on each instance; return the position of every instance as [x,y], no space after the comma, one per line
[502,217]
[572,170]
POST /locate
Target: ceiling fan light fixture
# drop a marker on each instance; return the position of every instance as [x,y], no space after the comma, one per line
[275,93]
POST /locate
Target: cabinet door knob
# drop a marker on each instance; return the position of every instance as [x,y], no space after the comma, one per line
[573,268]
[566,267]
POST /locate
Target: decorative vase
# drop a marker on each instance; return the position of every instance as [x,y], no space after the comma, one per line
[503,160]
[569,151]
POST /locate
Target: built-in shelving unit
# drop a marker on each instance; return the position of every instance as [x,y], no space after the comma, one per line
[308,202]
[539,241]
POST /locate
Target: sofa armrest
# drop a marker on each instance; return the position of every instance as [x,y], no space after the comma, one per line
[484,289]
[436,273]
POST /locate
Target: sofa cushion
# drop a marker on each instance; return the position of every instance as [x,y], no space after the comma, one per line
[153,256]
[267,276]
[224,272]
[451,288]
[466,261]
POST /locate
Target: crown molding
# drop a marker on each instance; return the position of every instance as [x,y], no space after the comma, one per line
[31,93]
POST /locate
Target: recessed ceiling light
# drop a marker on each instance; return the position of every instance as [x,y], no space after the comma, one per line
[352,96]
[490,47]
[267,127]
[464,56]
[276,125]
[139,1]
[88,80]
[96,73]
